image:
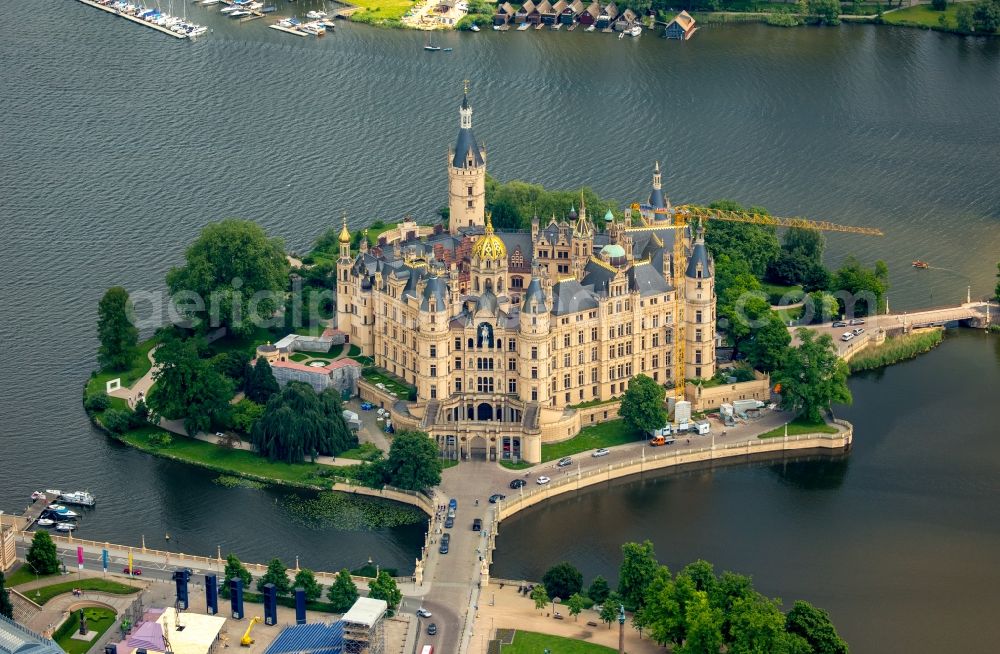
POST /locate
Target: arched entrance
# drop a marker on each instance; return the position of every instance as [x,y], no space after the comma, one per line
[477,448]
[484,412]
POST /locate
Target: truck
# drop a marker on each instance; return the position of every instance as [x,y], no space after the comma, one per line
[742,406]
[661,436]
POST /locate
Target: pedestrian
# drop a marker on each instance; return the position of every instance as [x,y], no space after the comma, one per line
[477,501]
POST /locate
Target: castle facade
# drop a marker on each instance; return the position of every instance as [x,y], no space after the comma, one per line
[509,336]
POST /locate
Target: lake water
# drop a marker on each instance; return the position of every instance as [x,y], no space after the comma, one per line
[118,144]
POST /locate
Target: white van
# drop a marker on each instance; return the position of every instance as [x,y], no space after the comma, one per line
[701,427]
[846,336]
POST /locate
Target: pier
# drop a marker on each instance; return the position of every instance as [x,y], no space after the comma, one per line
[134,19]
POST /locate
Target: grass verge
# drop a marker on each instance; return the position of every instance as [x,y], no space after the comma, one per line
[140,366]
[46,593]
[894,350]
[23,575]
[99,620]
[923,16]
[510,465]
[392,384]
[530,642]
[798,427]
[606,434]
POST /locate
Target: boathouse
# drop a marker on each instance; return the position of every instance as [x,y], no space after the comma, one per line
[522,14]
[625,20]
[548,14]
[681,27]
[608,15]
[590,14]
[568,15]
[505,14]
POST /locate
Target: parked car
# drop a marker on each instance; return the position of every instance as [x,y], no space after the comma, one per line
[135,572]
[423,613]
[449,522]
[444,547]
[856,321]
[366,406]
[451,513]
[496,497]
[565,461]
[839,323]
[453,503]
[858,331]
[542,480]
[517,483]
[432,629]
[477,525]
[846,336]
[601,452]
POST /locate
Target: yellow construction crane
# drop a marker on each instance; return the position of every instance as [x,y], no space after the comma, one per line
[682,216]
[247,641]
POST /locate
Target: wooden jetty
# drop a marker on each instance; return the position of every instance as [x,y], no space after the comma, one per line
[287,30]
[134,19]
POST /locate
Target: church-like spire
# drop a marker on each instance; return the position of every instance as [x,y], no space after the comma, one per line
[656,198]
[468,153]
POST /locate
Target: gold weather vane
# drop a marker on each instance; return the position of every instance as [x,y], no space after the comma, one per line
[466,87]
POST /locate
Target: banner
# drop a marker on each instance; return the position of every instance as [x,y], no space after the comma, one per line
[79,557]
[104,559]
[130,563]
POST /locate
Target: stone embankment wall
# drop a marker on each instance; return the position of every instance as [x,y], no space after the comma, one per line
[704,399]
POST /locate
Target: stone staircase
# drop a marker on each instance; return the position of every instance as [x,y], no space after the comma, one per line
[530,420]
[430,415]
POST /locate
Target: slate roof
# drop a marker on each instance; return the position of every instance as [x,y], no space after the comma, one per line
[569,296]
[598,275]
[437,288]
[647,280]
[698,255]
[487,302]
[534,298]
[656,199]
[467,142]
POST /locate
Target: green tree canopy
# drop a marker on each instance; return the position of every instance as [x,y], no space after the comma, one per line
[806,241]
[539,596]
[986,15]
[413,462]
[815,627]
[117,334]
[298,421]
[767,345]
[704,626]
[611,608]
[521,200]
[244,415]
[865,288]
[233,365]
[276,574]
[342,592]
[6,608]
[599,590]
[964,17]
[229,264]
[996,291]
[306,580]
[576,604]
[234,570]
[642,405]
[383,587]
[755,244]
[187,386]
[41,557]
[562,580]
[260,385]
[636,571]
[812,376]
[792,268]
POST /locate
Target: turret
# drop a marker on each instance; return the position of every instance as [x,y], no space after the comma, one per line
[466,175]
[699,313]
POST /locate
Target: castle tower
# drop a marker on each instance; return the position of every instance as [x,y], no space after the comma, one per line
[488,269]
[699,313]
[466,175]
[657,199]
[534,342]
[344,279]
[583,240]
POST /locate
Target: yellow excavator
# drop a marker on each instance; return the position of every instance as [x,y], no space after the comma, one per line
[247,641]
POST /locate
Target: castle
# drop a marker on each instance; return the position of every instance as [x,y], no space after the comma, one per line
[515,338]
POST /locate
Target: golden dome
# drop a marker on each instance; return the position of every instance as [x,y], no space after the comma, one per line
[489,245]
[345,234]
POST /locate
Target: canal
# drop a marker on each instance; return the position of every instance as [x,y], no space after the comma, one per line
[118,144]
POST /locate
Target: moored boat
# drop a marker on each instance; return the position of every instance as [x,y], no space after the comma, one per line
[475,28]
[65,526]
[80,498]
[45,522]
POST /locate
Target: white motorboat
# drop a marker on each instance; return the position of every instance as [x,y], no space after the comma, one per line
[315,15]
[54,493]
[80,498]
[45,522]
[65,526]
[55,507]
[474,28]
[590,28]
[66,513]
[635,30]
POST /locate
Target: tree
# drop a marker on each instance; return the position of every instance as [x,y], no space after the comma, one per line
[297,422]
[637,568]
[115,330]
[964,17]
[306,580]
[755,244]
[539,596]
[815,627]
[806,241]
[768,344]
[813,377]
[939,5]
[505,215]
[42,558]
[187,386]
[97,402]
[6,608]
[598,591]
[383,587]
[757,626]
[861,290]
[117,421]
[575,604]
[233,365]
[244,415]
[562,580]
[819,307]
[260,385]
[276,574]
[140,416]
[611,608]
[795,268]
[342,592]
[828,11]
[986,15]
[413,462]
[660,614]
[996,291]
[235,570]
[231,270]
[703,626]
[642,405]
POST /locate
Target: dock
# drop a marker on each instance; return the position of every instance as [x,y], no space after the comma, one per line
[287,30]
[134,19]
[572,27]
[556,26]
[539,26]
[32,513]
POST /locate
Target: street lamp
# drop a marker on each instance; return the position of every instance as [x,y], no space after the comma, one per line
[621,629]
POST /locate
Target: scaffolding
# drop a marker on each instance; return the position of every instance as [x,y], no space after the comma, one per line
[364,627]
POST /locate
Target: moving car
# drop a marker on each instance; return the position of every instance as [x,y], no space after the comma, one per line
[601,452]
[496,497]
[449,522]
[839,323]
[477,525]
[423,613]
[135,572]
[856,321]
[445,541]
[542,480]
[432,630]
[565,461]
[517,483]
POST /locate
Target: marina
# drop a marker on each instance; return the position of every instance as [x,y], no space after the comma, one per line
[294,26]
[153,18]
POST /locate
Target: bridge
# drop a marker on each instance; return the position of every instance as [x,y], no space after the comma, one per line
[876,327]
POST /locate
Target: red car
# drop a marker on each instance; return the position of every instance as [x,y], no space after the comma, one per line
[135,572]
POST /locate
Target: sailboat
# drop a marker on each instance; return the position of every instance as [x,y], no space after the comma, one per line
[430,45]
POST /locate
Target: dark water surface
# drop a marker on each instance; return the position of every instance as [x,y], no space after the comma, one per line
[117,144]
[898,540]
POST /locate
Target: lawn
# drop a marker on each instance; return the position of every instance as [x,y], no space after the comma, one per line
[225,460]
[247,344]
[922,16]
[98,620]
[520,465]
[798,427]
[23,575]
[778,294]
[529,642]
[335,351]
[376,11]
[363,452]
[606,434]
[140,366]
[392,384]
[45,593]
